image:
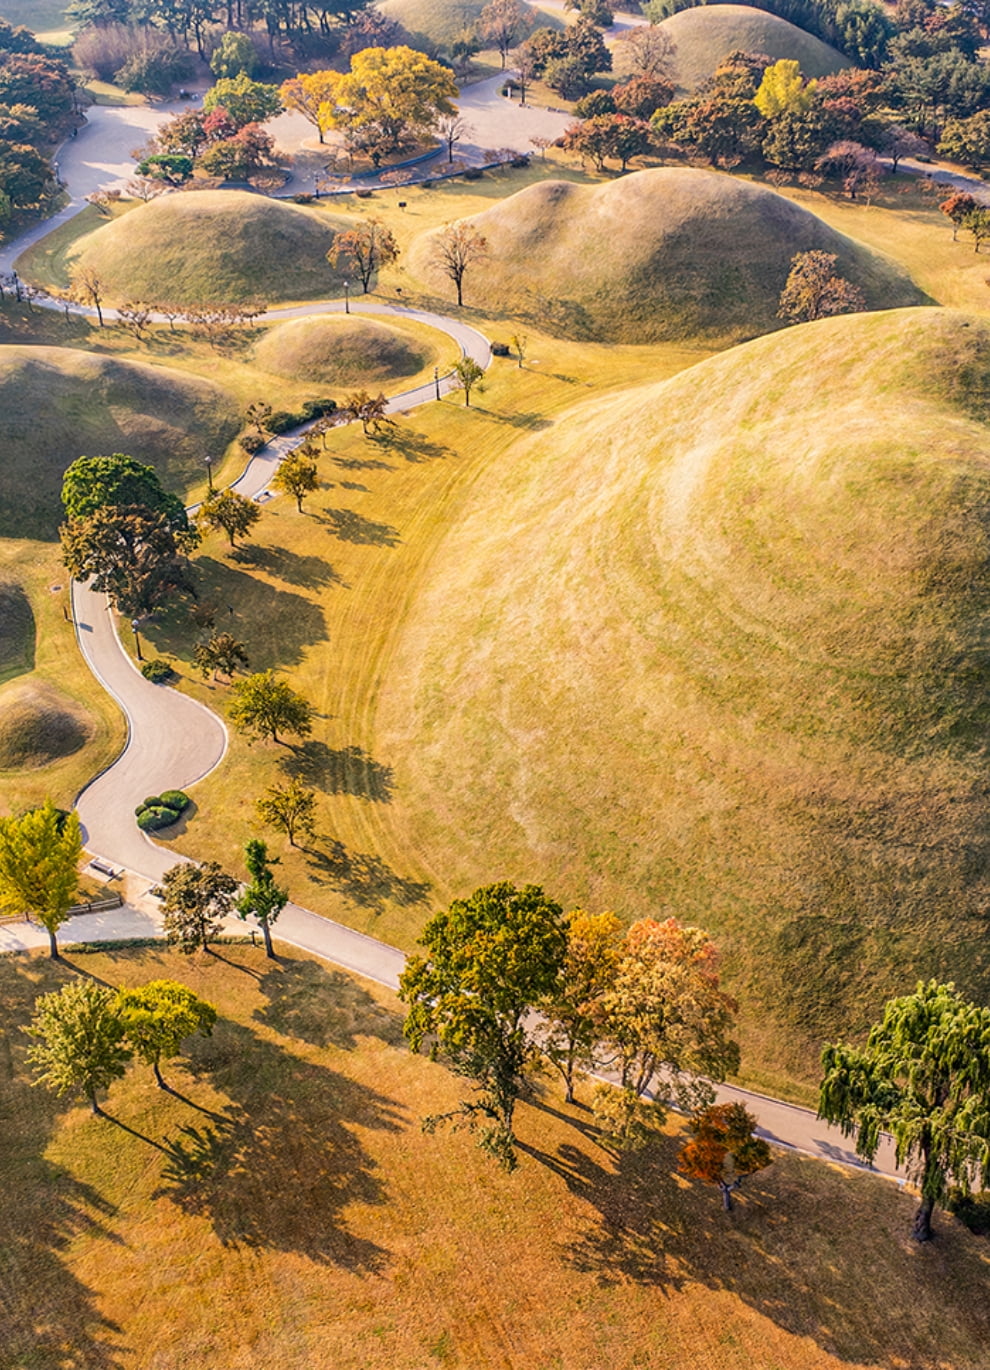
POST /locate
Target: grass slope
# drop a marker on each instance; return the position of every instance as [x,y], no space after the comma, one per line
[344,351]
[719,647]
[38,725]
[284,1208]
[667,254]
[442,22]
[213,246]
[59,403]
[706,34]
[16,631]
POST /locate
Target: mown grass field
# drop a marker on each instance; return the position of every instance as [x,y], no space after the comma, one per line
[283,1207]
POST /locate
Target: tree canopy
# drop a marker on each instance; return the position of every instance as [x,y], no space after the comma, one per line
[39,865]
[387,94]
[132,554]
[159,1016]
[80,1044]
[262,898]
[265,706]
[723,1150]
[195,900]
[813,290]
[91,483]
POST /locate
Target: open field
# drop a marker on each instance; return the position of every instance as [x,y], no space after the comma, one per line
[283,1207]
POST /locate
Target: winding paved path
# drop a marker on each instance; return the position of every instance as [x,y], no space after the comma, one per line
[173,741]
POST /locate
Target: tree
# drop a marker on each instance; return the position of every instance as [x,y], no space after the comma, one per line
[663,1014]
[44,83]
[39,861]
[967,140]
[898,141]
[87,288]
[131,553]
[814,291]
[196,899]
[235,55]
[642,96]
[243,100]
[158,1017]
[977,222]
[262,899]
[503,23]
[222,652]
[289,808]
[722,1150]
[91,483]
[367,248]
[265,706]
[230,511]
[469,374]
[958,207]
[25,175]
[296,476]
[573,1014]
[457,247]
[388,93]
[450,129]
[924,1077]
[783,90]
[490,960]
[80,1040]
[650,50]
[609,135]
[311,94]
[371,411]
[518,341]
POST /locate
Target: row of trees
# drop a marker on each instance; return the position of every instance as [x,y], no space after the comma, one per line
[37,107]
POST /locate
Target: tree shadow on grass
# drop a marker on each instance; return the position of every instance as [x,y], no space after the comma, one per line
[280,1170]
[288,566]
[350,526]
[363,878]
[340,770]
[323,1007]
[362,464]
[412,446]
[533,423]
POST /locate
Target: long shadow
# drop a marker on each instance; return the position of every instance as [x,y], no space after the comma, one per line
[533,423]
[323,1007]
[362,464]
[412,446]
[125,1127]
[350,526]
[50,1317]
[288,566]
[362,877]
[280,1170]
[340,770]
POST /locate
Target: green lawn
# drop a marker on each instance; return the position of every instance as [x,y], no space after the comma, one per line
[283,1207]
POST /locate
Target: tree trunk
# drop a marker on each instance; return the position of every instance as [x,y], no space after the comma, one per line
[159,1080]
[266,933]
[94,1105]
[460,296]
[52,945]
[921,1229]
[99,313]
[726,1196]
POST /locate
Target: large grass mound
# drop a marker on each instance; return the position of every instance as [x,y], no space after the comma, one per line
[58,404]
[38,725]
[439,23]
[670,254]
[339,351]
[706,34]
[720,647]
[214,247]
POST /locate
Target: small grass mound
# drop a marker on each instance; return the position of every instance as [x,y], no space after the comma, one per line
[706,34]
[59,404]
[341,351]
[214,247]
[720,647]
[17,631]
[39,725]
[673,254]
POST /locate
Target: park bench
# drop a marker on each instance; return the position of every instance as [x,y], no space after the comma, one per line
[103,868]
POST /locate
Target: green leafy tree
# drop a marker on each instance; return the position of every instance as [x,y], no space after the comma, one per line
[91,483]
[977,222]
[814,291]
[244,100]
[573,1015]
[470,376]
[367,249]
[39,866]
[783,90]
[230,511]
[387,94]
[25,175]
[967,140]
[924,1077]
[265,706]
[170,167]
[664,1013]
[288,808]
[195,901]
[262,898]
[296,476]
[80,1045]
[723,1150]
[131,553]
[235,56]
[489,961]
[222,652]
[159,1016]
[863,31]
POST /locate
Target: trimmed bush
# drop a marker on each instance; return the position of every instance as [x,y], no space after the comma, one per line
[282,420]
[151,820]
[500,350]
[157,671]
[251,442]
[315,409]
[175,799]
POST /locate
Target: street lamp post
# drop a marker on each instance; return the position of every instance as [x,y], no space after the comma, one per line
[436,380]
[347,298]
[209,472]
[135,625]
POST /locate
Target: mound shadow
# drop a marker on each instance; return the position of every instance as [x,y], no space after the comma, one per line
[340,770]
[362,878]
[51,1318]
[284,1163]
[323,1007]
[18,631]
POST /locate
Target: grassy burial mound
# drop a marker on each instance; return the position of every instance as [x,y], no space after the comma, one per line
[664,255]
[719,647]
[59,404]
[17,631]
[439,23]
[39,725]
[214,247]
[703,36]
[330,350]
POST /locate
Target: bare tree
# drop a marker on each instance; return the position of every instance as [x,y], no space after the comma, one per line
[456,248]
[135,316]
[650,50]
[450,129]
[88,288]
[505,22]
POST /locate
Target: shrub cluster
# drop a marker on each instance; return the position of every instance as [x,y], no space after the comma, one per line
[157,671]
[284,419]
[161,810]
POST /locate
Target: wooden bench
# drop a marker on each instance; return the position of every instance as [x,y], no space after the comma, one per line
[103,868]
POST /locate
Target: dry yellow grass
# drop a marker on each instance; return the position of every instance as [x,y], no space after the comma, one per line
[284,1208]
[342,351]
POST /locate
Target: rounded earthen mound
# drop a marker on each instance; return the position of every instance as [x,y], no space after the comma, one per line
[340,351]
[39,725]
[703,36]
